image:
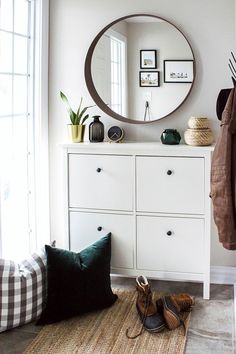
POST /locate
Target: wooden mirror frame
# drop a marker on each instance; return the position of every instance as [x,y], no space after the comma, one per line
[89,80]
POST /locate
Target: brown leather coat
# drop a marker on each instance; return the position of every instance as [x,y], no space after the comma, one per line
[223,176]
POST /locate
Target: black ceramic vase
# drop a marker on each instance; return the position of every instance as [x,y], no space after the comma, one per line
[170,137]
[96,130]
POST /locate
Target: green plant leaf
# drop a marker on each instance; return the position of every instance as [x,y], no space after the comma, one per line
[77,120]
[78,112]
[80,116]
[85,118]
[65,100]
[73,117]
[68,107]
[84,110]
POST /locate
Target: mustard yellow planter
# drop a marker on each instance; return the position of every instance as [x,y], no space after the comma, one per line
[76,133]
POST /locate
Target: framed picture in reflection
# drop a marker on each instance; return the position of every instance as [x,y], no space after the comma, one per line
[178,71]
[148,59]
[149,78]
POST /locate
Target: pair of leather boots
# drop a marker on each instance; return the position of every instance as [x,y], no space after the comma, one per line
[166,312]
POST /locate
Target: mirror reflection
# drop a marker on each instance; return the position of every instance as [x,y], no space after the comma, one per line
[142,68]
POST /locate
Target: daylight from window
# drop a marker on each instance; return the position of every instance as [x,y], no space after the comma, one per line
[118,68]
[16,129]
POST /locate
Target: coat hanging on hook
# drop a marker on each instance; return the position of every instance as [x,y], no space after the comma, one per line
[223,176]
[223,168]
[224,93]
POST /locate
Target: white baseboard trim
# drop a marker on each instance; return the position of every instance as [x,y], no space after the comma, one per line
[234,327]
[223,275]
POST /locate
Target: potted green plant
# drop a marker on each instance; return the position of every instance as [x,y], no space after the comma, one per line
[77,127]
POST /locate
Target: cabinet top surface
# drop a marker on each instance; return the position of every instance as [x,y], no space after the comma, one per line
[136,148]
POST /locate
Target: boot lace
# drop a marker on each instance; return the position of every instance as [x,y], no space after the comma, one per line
[148,299]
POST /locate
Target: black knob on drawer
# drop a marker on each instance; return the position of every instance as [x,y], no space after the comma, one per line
[99,228]
[98,169]
[169,172]
[169,233]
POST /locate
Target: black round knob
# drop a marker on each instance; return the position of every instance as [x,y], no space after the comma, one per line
[99,228]
[169,172]
[169,233]
[99,169]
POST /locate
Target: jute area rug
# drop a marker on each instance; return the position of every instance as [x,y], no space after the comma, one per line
[103,332]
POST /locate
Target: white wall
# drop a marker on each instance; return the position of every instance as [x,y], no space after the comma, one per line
[120,27]
[209,26]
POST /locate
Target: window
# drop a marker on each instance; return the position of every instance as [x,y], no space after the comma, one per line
[20,100]
[118,73]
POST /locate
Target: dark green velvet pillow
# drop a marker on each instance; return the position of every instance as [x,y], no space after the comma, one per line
[77,282]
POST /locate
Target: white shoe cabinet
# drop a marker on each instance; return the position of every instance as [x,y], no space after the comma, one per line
[153,198]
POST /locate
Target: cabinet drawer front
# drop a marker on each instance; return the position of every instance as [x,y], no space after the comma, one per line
[170,184]
[100,182]
[170,244]
[86,228]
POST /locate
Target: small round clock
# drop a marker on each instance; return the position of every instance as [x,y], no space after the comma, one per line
[115,134]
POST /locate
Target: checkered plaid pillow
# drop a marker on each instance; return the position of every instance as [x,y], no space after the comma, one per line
[22,290]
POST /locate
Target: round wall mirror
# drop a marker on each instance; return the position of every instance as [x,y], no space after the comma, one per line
[140,68]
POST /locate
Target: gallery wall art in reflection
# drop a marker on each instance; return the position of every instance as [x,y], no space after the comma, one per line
[148,59]
[133,53]
[149,78]
[178,71]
